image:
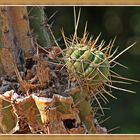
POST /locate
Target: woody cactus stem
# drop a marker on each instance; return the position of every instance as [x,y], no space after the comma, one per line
[0,32]
[39,26]
[1,66]
[21,29]
[16,44]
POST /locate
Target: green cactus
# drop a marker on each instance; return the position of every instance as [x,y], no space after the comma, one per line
[87,64]
[37,24]
[85,110]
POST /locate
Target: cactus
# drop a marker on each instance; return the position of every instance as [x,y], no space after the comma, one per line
[15,41]
[90,68]
[38,26]
[48,92]
[86,62]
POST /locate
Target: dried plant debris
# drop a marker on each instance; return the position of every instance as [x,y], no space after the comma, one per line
[39,99]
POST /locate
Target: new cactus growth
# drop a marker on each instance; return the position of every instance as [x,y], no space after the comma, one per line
[87,63]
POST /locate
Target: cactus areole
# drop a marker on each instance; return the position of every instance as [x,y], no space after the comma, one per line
[89,65]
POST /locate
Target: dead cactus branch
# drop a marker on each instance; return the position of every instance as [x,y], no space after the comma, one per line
[15,40]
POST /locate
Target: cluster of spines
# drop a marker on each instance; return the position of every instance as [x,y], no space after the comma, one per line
[91,64]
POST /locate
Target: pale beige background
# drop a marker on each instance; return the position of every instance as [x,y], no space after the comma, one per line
[73,2]
[70,137]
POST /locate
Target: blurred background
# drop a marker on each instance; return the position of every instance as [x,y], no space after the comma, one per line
[124,23]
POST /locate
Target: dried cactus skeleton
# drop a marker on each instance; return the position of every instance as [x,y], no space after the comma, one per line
[49,90]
